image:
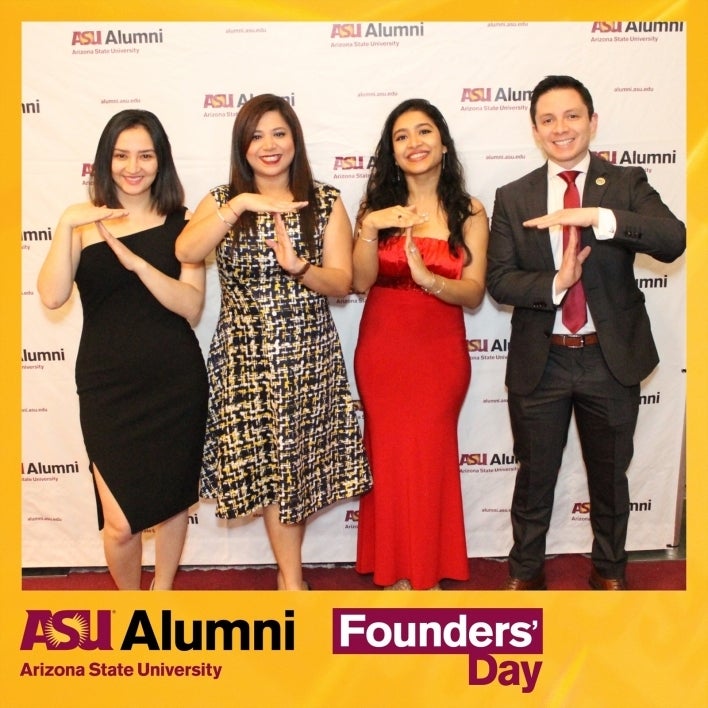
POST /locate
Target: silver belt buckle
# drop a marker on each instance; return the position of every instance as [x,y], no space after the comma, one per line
[573,337]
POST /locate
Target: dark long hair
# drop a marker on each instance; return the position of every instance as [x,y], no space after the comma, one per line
[166,192]
[300,177]
[387,188]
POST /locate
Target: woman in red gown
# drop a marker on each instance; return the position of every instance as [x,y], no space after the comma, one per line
[421,255]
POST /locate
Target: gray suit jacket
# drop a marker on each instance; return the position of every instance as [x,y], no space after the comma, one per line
[521,269]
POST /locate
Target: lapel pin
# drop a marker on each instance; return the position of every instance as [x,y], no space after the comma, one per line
[600,181]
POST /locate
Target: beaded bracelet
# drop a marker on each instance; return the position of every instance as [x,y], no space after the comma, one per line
[439,290]
[221,216]
[300,273]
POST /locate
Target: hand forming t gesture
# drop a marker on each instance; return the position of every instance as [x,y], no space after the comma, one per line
[252,201]
[579,216]
[282,246]
[419,271]
[86,213]
[572,264]
[127,258]
[394,217]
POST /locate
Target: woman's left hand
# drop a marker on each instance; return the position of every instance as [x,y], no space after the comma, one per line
[127,258]
[419,272]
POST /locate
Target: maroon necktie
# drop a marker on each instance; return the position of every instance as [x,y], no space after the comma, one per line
[574,307]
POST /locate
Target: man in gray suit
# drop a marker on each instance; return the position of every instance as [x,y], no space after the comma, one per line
[591,366]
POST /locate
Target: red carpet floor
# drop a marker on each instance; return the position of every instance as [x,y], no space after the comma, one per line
[564,572]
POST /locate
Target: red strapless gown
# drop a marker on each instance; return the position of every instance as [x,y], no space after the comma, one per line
[412,370]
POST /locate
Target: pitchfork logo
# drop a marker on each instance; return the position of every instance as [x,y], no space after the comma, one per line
[67,629]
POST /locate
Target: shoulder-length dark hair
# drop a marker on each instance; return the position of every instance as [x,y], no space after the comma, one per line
[166,192]
[386,187]
[300,177]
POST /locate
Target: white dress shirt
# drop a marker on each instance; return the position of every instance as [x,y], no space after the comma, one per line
[607,225]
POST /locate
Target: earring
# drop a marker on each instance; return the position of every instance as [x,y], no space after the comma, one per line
[398,173]
[444,160]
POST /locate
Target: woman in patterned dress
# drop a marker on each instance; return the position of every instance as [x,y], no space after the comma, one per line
[282,434]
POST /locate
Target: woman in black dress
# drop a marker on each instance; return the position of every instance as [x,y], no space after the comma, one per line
[140,373]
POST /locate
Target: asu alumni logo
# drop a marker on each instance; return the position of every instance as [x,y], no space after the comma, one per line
[67,629]
[346,30]
[604,27]
[99,37]
[93,630]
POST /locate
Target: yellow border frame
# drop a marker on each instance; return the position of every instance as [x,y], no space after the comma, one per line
[635,649]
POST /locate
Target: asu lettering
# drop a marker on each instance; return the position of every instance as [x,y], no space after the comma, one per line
[219,100]
[344,31]
[351,162]
[608,155]
[476,94]
[477,345]
[473,458]
[482,345]
[86,38]
[67,629]
[606,27]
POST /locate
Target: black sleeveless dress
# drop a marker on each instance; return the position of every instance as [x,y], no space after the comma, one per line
[141,380]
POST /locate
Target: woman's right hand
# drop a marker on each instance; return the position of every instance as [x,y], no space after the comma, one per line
[86,213]
[249,201]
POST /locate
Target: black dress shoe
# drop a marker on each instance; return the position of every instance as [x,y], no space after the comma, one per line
[597,582]
[538,582]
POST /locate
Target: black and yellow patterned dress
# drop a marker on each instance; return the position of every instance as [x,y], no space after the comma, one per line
[281,426]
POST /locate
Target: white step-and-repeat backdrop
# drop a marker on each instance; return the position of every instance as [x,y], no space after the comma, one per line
[343,79]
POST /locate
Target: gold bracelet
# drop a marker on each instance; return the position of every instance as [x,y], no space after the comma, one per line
[366,240]
[230,208]
[221,216]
